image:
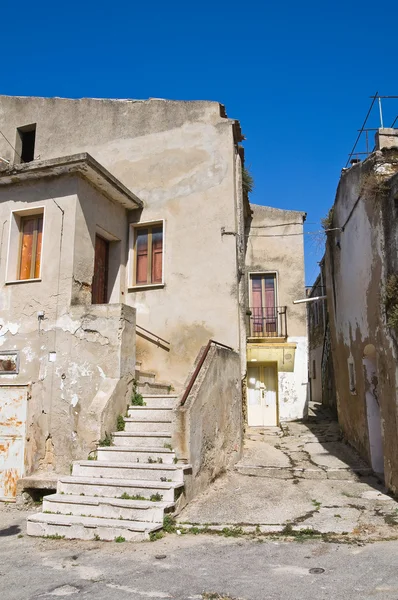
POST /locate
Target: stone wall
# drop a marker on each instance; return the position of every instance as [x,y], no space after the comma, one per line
[359,261]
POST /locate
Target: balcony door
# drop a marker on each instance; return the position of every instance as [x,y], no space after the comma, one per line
[264,317]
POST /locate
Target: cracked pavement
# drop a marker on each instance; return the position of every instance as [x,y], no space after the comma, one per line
[302,475]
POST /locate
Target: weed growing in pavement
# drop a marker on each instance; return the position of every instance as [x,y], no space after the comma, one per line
[119,539]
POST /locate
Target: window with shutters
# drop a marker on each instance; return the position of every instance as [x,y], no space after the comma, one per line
[25,245]
[148,250]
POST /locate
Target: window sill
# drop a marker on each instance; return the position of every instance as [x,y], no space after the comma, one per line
[148,286]
[22,281]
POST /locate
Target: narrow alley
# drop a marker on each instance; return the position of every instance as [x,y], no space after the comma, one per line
[302,477]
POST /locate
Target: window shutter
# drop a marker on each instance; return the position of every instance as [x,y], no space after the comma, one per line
[38,246]
[157,254]
[27,232]
[142,256]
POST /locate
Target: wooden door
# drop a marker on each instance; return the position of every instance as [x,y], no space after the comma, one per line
[262,410]
[100,280]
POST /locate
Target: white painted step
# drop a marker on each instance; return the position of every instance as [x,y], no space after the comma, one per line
[112,470]
[135,455]
[89,528]
[144,413]
[115,488]
[138,425]
[144,439]
[152,388]
[108,508]
[159,400]
[142,376]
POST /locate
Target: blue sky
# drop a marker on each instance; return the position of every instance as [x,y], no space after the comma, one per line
[298,75]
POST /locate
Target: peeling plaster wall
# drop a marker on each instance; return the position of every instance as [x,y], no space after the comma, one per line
[358,261]
[180,158]
[285,256]
[77,397]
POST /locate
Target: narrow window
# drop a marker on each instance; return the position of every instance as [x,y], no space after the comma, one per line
[99,289]
[313,369]
[148,255]
[351,377]
[30,244]
[25,143]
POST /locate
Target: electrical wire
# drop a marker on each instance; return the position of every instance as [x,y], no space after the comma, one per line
[8,142]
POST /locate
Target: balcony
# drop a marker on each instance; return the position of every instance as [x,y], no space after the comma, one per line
[267,322]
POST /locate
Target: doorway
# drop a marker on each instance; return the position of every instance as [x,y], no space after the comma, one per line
[262,395]
[99,292]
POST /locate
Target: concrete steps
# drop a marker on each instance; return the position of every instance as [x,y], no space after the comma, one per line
[151,387]
[147,471]
[108,508]
[145,413]
[158,401]
[142,439]
[89,528]
[136,425]
[135,455]
[125,492]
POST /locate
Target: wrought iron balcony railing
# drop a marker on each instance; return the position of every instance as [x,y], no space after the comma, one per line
[268,322]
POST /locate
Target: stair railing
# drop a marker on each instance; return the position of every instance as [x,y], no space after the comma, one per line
[198,368]
[152,337]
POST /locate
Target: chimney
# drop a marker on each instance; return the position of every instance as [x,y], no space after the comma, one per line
[386,138]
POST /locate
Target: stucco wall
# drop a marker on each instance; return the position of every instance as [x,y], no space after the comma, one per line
[80,358]
[209,427]
[180,159]
[358,261]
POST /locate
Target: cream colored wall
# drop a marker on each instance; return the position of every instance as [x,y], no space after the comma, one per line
[276,244]
[76,398]
[179,158]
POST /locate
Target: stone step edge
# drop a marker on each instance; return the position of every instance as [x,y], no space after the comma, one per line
[132,420]
[142,434]
[133,483]
[157,396]
[144,408]
[97,500]
[133,465]
[148,450]
[93,522]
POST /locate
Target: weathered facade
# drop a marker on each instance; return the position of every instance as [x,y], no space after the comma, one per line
[361,267]
[125,229]
[277,348]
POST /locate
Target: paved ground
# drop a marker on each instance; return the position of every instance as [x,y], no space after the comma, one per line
[304,476]
[307,478]
[191,568]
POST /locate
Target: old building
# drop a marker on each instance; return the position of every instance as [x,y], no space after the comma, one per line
[361,272]
[125,228]
[277,331]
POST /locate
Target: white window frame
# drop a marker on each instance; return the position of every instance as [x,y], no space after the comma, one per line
[14,243]
[131,259]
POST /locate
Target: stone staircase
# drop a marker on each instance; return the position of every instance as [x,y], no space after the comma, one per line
[126,491]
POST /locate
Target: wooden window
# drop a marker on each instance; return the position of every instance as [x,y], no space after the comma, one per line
[148,255]
[30,245]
